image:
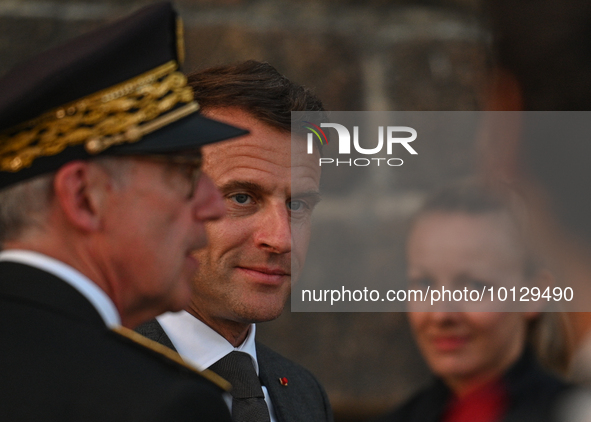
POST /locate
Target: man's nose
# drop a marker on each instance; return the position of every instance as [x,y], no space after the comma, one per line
[209,202]
[274,229]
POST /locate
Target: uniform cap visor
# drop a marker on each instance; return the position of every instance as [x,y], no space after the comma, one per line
[186,134]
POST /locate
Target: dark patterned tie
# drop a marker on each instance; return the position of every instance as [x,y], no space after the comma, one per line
[248,399]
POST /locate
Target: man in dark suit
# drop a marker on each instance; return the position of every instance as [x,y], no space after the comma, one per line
[258,249]
[101,206]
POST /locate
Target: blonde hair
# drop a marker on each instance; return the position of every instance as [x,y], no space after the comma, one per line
[551,338]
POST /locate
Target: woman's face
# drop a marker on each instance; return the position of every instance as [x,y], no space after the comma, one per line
[461,250]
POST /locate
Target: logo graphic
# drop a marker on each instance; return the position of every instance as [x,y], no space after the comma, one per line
[388,137]
[316,132]
[344,138]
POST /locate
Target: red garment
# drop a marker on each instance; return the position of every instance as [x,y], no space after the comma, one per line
[485,404]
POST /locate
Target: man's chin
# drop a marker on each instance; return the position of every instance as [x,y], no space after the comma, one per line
[261,314]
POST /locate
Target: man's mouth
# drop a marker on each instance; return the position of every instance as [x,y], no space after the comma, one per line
[265,274]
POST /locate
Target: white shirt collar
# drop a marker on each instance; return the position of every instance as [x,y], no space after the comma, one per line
[201,345]
[94,294]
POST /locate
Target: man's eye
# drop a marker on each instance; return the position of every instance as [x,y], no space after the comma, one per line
[296,205]
[241,198]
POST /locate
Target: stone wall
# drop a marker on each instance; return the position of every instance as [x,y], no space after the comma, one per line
[357,55]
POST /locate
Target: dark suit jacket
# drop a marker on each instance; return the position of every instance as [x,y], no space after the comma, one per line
[59,362]
[533,396]
[302,400]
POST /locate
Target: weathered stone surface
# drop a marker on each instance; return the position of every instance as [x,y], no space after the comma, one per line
[437,75]
[326,63]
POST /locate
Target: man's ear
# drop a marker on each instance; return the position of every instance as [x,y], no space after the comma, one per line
[79,191]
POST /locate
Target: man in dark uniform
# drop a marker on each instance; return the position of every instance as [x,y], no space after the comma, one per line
[102,205]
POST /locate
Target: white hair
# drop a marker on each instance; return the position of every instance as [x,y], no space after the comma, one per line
[24,205]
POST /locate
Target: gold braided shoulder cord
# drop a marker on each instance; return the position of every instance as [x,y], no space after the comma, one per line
[120,114]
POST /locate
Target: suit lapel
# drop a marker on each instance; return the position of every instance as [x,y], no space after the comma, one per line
[154,331]
[270,371]
[39,288]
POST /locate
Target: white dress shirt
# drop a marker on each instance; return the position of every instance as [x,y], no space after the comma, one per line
[94,294]
[201,346]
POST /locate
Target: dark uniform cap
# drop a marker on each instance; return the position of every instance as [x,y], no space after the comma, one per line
[116,90]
